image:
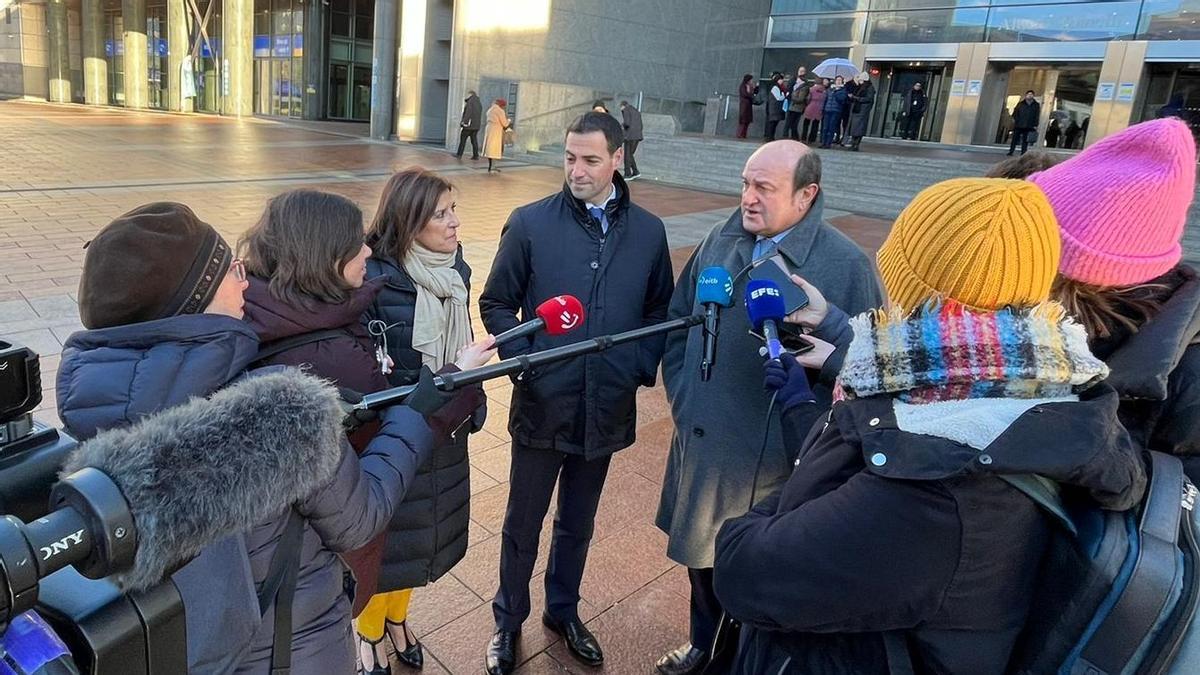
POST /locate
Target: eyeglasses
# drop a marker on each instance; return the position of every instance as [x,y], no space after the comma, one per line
[238,269]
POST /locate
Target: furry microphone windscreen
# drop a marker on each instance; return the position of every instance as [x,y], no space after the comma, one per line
[210,468]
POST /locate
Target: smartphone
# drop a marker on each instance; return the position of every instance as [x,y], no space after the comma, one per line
[775,269]
[791,338]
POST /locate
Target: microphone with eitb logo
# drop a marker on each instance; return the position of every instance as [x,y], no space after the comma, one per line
[714,290]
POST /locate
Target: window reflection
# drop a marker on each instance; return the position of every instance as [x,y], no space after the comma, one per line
[1170,20]
[1064,23]
[936,25]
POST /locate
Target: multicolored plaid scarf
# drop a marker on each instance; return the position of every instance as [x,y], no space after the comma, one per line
[946,352]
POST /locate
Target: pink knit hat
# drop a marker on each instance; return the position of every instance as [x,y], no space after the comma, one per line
[1122,203]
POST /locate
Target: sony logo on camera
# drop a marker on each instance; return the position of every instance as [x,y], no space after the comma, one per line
[62,545]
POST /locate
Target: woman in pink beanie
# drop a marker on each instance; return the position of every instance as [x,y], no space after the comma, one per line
[1122,207]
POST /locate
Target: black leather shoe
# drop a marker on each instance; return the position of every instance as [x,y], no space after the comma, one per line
[580,641]
[501,653]
[687,660]
[413,656]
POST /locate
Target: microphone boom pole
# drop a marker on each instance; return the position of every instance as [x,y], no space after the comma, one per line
[518,364]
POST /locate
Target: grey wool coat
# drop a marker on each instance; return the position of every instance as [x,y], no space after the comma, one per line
[719,424]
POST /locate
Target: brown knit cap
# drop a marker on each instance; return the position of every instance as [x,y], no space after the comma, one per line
[158,260]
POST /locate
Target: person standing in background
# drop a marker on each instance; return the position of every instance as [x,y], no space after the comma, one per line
[472,119]
[631,119]
[798,95]
[1025,116]
[493,138]
[813,111]
[775,100]
[746,91]
[862,101]
[915,103]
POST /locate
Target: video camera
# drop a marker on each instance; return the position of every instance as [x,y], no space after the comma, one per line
[59,540]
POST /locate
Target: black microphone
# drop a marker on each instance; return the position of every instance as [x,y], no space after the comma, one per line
[714,290]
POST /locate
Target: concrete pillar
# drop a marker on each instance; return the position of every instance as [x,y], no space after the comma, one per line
[409,70]
[137,85]
[58,60]
[95,66]
[383,68]
[962,109]
[237,58]
[314,59]
[1114,107]
[177,48]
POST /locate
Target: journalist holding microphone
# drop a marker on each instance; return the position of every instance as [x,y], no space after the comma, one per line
[421,317]
[162,298]
[592,242]
[715,470]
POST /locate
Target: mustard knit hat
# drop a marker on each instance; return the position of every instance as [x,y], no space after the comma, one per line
[983,242]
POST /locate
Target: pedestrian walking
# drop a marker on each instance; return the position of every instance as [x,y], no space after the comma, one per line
[835,103]
[1071,135]
[631,119]
[1025,116]
[567,419]
[1123,277]
[813,111]
[746,91]
[862,101]
[498,123]
[472,119]
[775,100]
[713,472]
[914,105]
[896,539]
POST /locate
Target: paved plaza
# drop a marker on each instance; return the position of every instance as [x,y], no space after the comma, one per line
[68,170]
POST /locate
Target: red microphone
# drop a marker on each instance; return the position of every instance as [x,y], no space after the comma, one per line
[557,316]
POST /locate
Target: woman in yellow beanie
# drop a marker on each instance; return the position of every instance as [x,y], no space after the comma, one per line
[899,533]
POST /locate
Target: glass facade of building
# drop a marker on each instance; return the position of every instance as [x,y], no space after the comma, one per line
[1056,48]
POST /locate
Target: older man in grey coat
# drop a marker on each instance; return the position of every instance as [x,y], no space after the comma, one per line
[725,453]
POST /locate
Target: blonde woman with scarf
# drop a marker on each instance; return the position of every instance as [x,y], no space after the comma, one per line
[420,318]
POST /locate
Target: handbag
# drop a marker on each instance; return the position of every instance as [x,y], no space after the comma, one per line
[510,136]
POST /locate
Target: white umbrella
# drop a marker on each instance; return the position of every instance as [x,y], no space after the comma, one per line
[831,68]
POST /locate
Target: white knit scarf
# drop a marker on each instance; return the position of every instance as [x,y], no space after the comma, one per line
[441,320]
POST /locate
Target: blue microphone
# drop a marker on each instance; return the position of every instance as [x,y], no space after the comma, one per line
[764,304]
[714,290]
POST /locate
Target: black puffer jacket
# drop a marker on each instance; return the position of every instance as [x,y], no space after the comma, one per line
[882,530]
[1156,371]
[428,532]
[586,405]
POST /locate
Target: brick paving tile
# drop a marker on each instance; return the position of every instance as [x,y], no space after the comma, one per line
[70,170]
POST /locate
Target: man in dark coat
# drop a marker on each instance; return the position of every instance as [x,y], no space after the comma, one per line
[472,120]
[798,95]
[915,103]
[861,103]
[631,119]
[1025,115]
[714,470]
[566,419]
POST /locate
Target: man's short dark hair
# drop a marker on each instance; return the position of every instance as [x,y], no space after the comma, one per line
[1031,92]
[808,171]
[608,125]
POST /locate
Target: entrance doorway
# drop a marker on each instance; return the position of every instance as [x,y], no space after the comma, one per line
[1173,90]
[351,30]
[895,81]
[1066,93]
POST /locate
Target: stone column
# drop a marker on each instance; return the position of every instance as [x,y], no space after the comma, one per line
[58,60]
[409,70]
[383,69]
[137,85]
[177,48]
[237,58]
[314,59]
[95,65]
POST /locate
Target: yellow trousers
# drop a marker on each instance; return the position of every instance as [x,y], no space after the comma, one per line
[383,607]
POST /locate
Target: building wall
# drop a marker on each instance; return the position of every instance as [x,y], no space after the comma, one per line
[562,54]
[23,50]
